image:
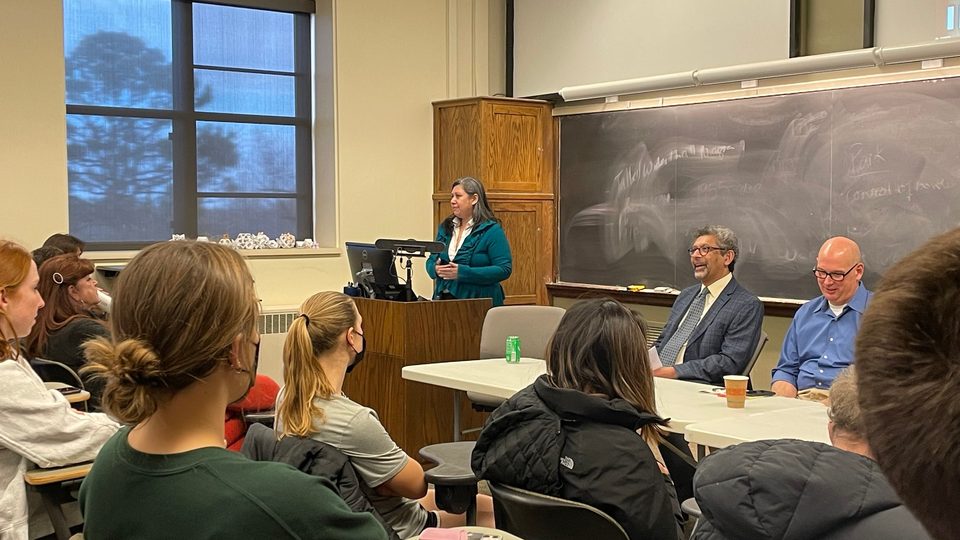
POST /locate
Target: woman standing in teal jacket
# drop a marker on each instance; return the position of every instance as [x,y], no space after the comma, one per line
[478,255]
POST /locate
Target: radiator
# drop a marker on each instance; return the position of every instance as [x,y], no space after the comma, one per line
[273,327]
[654,329]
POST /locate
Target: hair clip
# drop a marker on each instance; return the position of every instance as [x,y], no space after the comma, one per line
[305,318]
[58,278]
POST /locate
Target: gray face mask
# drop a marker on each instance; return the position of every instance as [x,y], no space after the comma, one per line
[359,356]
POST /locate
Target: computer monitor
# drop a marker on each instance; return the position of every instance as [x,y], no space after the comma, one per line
[374,270]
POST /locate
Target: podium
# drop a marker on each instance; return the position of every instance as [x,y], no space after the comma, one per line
[402,334]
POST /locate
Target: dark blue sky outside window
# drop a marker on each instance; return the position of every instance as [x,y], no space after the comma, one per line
[186,118]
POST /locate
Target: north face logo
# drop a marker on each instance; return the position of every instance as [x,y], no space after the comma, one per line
[566,462]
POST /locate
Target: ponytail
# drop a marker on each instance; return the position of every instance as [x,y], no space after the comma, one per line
[323,318]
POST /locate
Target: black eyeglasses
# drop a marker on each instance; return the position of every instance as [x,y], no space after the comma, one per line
[836,276]
[705,250]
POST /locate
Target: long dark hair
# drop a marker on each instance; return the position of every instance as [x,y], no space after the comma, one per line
[600,347]
[57,274]
[482,211]
[66,243]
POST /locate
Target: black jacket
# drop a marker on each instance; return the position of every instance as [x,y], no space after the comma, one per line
[66,346]
[314,458]
[797,490]
[583,448]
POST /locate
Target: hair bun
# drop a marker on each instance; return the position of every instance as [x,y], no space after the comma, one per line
[137,364]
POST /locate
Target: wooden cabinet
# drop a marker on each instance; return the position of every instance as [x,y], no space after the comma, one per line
[508,145]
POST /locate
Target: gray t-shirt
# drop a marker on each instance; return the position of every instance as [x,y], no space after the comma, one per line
[357,432]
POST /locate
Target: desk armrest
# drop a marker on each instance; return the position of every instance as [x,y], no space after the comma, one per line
[453,463]
[40,477]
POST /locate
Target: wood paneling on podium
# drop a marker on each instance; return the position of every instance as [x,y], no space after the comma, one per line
[401,334]
[508,144]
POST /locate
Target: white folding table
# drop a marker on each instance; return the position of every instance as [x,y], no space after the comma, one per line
[683,402]
[805,423]
[492,376]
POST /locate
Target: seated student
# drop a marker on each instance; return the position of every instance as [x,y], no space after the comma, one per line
[803,490]
[67,320]
[908,364]
[66,243]
[60,244]
[261,397]
[323,344]
[42,253]
[584,431]
[184,345]
[36,424]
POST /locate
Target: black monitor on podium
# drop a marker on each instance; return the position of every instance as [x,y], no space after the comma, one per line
[374,272]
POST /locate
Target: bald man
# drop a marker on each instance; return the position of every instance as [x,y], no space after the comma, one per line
[819,343]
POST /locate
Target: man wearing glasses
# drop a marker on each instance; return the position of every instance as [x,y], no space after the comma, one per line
[715,325]
[819,343]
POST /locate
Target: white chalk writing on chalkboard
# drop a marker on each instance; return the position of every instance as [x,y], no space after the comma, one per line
[880,164]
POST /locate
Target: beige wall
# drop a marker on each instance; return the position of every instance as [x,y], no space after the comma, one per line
[33,131]
[392,59]
[629,39]
[902,22]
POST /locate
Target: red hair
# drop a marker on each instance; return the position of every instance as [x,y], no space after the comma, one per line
[14,268]
[57,274]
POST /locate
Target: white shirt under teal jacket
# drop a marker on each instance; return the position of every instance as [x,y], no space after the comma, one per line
[483,261]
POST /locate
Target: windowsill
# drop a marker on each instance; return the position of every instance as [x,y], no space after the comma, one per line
[280,253]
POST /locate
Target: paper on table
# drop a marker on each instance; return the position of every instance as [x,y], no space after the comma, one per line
[654,356]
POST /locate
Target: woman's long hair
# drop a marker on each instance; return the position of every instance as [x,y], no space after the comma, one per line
[600,347]
[57,274]
[323,318]
[177,309]
[14,268]
[481,211]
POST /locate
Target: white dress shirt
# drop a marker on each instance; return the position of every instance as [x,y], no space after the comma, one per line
[457,239]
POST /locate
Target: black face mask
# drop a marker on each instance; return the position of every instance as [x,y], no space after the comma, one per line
[359,356]
[251,372]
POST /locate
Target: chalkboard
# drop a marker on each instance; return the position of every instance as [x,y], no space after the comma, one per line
[880,164]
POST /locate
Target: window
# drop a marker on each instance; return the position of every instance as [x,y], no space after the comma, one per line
[187,117]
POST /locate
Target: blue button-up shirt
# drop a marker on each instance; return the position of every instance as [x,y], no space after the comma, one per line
[819,345]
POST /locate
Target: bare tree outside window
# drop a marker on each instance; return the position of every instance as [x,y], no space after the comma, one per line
[241,164]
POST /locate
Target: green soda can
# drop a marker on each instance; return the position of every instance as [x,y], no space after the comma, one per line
[513,349]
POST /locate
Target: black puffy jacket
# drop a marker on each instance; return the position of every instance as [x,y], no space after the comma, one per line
[797,490]
[583,448]
[314,458]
